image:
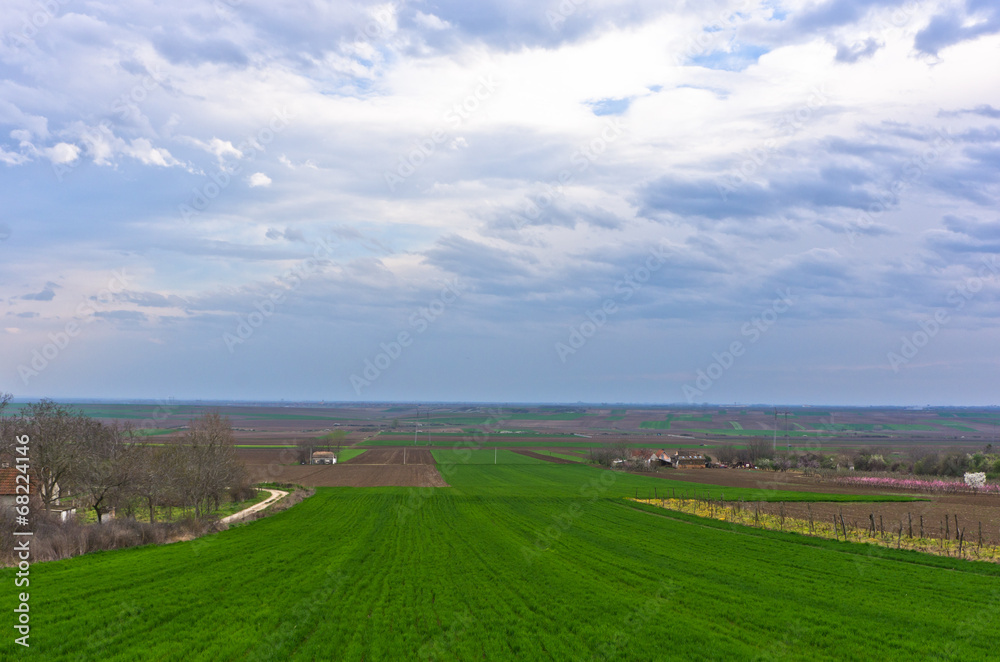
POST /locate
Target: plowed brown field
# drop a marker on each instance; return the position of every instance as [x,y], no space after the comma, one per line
[374,468]
[547,458]
[394,456]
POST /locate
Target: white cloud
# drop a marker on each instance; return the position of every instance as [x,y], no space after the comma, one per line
[143,150]
[430,21]
[62,153]
[259,179]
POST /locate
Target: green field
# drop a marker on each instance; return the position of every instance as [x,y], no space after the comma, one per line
[957,426]
[524,562]
[655,425]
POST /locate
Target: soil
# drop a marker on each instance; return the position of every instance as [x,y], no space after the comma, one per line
[393,456]
[547,458]
[375,468]
[973,510]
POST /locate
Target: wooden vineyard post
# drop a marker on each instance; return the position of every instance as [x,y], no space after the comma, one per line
[871,518]
[909,518]
[899,536]
[842,525]
[961,539]
[956,526]
[881,528]
[947,532]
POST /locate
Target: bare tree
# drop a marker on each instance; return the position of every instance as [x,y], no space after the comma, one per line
[153,475]
[727,454]
[55,433]
[211,463]
[105,468]
[6,429]
[306,448]
[758,449]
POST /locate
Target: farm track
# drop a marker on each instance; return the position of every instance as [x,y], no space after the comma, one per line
[469,573]
[547,458]
[257,507]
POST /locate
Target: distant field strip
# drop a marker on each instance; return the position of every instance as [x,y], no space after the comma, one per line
[561,571]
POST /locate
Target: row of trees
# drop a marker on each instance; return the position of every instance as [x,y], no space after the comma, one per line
[929,461]
[916,460]
[106,466]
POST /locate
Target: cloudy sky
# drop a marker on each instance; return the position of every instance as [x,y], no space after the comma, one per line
[585,200]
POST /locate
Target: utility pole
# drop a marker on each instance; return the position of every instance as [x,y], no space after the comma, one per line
[774,444]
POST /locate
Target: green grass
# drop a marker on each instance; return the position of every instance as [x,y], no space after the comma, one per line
[163,514]
[500,441]
[958,426]
[514,562]
[655,425]
[736,426]
[482,456]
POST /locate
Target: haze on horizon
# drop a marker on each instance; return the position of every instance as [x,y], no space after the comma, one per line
[581,201]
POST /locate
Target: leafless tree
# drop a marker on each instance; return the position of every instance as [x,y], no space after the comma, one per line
[727,454]
[306,448]
[55,433]
[105,468]
[153,476]
[211,465]
[758,449]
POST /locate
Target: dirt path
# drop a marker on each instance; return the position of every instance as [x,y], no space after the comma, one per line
[547,458]
[257,507]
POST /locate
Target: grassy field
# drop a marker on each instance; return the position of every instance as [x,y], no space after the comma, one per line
[533,561]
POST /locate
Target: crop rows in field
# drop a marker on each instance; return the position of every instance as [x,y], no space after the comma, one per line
[557,569]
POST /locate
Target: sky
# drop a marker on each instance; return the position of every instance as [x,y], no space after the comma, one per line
[565,201]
